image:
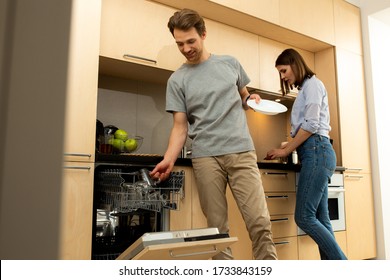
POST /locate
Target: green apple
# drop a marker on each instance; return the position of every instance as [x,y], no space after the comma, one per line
[131,145]
[118,144]
[121,134]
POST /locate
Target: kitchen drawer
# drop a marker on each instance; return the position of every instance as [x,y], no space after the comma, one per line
[286,248]
[280,203]
[283,226]
[278,180]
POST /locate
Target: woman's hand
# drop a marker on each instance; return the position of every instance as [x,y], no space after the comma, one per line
[277,153]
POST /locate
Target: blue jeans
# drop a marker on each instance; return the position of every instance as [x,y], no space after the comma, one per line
[318,161]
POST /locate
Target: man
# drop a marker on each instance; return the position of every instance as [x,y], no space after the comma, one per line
[209,93]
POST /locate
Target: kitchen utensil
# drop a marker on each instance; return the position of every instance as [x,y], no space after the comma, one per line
[267,107]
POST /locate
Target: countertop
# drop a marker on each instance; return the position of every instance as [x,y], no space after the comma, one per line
[152,160]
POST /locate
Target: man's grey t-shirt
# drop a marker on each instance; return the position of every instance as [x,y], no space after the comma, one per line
[209,93]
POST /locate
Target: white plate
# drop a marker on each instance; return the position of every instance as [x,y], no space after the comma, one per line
[267,107]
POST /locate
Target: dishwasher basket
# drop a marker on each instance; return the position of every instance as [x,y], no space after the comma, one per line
[123,192]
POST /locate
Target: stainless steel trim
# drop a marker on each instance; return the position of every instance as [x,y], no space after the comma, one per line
[77,155]
[276,196]
[279,220]
[354,176]
[282,243]
[354,169]
[139,57]
[78,167]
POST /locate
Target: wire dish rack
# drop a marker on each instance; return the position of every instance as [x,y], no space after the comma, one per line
[125,192]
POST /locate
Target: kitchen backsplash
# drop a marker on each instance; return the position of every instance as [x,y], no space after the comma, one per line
[139,108]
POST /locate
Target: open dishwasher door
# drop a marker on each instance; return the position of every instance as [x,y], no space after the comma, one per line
[194,244]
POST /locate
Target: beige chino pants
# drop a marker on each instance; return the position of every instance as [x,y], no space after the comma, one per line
[240,171]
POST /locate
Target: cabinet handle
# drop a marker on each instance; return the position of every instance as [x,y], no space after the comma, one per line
[279,220]
[282,243]
[213,251]
[276,196]
[78,167]
[126,56]
[354,169]
[354,176]
[77,155]
[275,173]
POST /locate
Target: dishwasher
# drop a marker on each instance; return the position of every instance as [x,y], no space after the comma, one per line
[128,204]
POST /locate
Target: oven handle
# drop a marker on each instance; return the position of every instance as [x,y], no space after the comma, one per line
[335,190]
[213,251]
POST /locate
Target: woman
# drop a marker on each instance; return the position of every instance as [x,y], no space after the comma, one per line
[310,137]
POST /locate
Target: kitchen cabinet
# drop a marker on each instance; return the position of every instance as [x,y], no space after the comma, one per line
[315,19]
[312,18]
[76,215]
[308,249]
[279,187]
[287,248]
[80,124]
[81,99]
[266,9]
[227,40]
[348,32]
[360,219]
[269,50]
[354,133]
[355,143]
[136,31]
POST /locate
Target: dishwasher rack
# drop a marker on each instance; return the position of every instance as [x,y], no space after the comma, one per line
[124,192]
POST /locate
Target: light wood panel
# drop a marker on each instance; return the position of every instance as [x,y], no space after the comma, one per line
[355,145]
[269,51]
[348,33]
[312,18]
[139,28]
[360,219]
[80,122]
[308,249]
[76,215]
[226,40]
[325,69]
[287,248]
[265,9]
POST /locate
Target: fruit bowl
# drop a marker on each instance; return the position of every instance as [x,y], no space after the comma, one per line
[132,144]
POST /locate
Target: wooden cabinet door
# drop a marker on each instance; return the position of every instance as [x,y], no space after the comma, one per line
[242,250]
[312,18]
[81,101]
[138,29]
[308,249]
[269,50]
[76,212]
[226,40]
[360,220]
[347,26]
[286,248]
[265,9]
[355,146]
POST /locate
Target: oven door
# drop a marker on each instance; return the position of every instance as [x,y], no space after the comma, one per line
[335,207]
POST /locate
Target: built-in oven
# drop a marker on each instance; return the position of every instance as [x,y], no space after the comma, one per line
[336,204]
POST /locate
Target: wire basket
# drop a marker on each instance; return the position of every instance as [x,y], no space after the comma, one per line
[125,192]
